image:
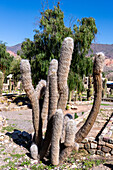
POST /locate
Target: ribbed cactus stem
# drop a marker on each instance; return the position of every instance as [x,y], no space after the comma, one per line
[53,97]
[69,140]
[70,133]
[97,76]
[56,134]
[66,119]
[40,88]
[53,93]
[27,84]
[63,70]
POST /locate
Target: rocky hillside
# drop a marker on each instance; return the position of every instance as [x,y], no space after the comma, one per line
[107,49]
[14,48]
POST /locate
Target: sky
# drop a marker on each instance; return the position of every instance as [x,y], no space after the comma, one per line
[18,18]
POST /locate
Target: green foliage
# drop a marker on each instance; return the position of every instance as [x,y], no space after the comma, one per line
[15,70]
[5,59]
[47,43]
[75,116]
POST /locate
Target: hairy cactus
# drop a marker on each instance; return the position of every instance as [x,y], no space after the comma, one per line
[1,83]
[104,87]
[90,88]
[56,135]
[60,135]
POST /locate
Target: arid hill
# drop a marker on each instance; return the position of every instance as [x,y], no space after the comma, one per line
[107,49]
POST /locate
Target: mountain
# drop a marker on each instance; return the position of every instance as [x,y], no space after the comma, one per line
[14,48]
[107,49]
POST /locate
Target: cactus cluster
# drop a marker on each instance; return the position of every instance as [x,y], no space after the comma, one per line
[55,92]
[1,82]
[60,137]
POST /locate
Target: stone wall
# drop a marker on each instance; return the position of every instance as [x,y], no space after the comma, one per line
[104,145]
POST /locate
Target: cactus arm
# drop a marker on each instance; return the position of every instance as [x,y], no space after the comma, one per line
[27,84]
[63,70]
[70,133]
[97,70]
[56,134]
[66,119]
[69,143]
[53,97]
[40,88]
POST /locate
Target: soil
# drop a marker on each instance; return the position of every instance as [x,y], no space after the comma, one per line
[22,120]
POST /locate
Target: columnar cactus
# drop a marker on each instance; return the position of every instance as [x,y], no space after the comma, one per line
[104,87]
[1,83]
[60,129]
[90,88]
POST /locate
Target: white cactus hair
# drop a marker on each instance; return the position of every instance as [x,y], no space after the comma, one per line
[34,151]
[100,53]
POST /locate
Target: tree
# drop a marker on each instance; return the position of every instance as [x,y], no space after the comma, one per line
[5,59]
[47,44]
[15,70]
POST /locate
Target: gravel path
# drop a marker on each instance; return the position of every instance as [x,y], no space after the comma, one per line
[21,119]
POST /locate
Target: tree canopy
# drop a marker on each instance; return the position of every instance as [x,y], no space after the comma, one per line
[5,59]
[48,39]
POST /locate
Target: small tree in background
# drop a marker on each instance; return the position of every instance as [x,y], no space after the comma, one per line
[5,60]
[15,70]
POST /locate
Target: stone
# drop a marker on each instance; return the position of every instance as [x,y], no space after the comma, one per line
[101,142]
[106,149]
[110,141]
[107,155]
[93,145]
[87,145]
[81,146]
[74,166]
[99,147]
[6,141]
[1,138]
[105,139]
[109,145]
[92,151]
[100,153]
[85,140]
[111,152]
[76,147]
[92,139]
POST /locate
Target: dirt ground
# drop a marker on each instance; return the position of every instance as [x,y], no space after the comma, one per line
[22,120]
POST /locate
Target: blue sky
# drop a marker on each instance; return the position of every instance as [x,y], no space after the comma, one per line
[18,18]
